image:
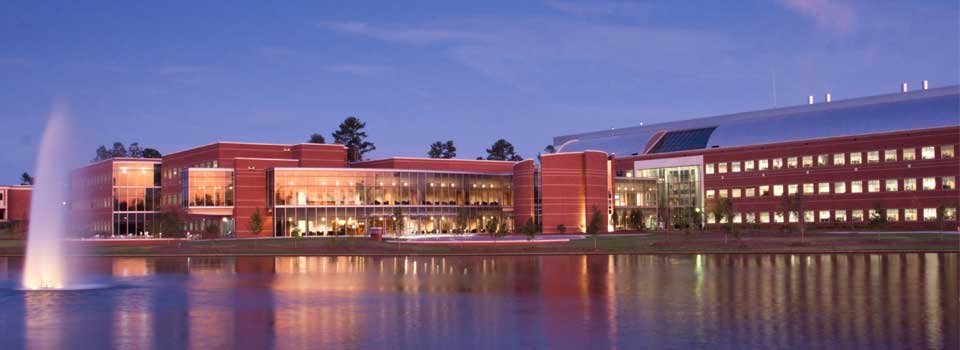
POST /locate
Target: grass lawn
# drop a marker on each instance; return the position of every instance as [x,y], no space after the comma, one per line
[617,244]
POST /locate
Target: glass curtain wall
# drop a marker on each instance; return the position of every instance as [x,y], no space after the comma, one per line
[635,202]
[136,198]
[350,202]
[679,202]
[208,187]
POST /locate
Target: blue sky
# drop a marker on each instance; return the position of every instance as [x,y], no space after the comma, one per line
[173,75]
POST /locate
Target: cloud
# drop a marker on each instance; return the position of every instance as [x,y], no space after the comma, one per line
[411,35]
[599,8]
[833,15]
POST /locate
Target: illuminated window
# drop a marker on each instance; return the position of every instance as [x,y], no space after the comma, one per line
[764,191]
[946,152]
[909,184]
[711,219]
[708,168]
[722,193]
[777,163]
[764,218]
[823,159]
[777,190]
[722,168]
[750,192]
[838,159]
[856,215]
[949,214]
[909,154]
[839,187]
[909,214]
[948,183]
[893,215]
[792,188]
[890,155]
[824,216]
[792,216]
[762,164]
[873,157]
[735,167]
[823,188]
[929,214]
[873,186]
[778,217]
[840,215]
[855,158]
[748,165]
[808,216]
[737,218]
[735,193]
[929,183]
[808,188]
[807,161]
[710,194]
[792,162]
[750,218]
[891,186]
[927,153]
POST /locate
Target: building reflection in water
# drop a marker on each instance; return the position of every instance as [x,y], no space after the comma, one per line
[882,301]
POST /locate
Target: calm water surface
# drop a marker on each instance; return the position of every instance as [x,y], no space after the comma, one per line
[858,301]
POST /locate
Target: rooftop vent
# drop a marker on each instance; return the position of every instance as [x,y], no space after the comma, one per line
[926,84]
[810,100]
[826,98]
[903,87]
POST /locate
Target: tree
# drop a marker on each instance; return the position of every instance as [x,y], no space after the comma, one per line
[118,150]
[170,223]
[615,219]
[794,203]
[594,226]
[723,210]
[135,151]
[26,179]
[445,150]
[529,229]
[256,222]
[151,153]
[102,154]
[561,228]
[941,210]
[502,150]
[878,219]
[492,227]
[317,138]
[352,136]
[549,149]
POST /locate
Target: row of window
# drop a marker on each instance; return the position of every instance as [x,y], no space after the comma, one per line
[825,216]
[840,187]
[836,159]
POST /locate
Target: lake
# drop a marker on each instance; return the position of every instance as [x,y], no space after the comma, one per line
[838,301]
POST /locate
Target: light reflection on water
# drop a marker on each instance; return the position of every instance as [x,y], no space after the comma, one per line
[888,301]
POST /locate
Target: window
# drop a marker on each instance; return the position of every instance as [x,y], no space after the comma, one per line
[873,186]
[823,188]
[946,151]
[792,162]
[824,216]
[839,187]
[909,154]
[891,186]
[711,219]
[807,161]
[762,164]
[873,157]
[708,169]
[722,193]
[840,215]
[735,193]
[722,168]
[792,216]
[929,214]
[893,215]
[909,184]
[926,153]
[949,214]
[750,218]
[808,216]
[890,155]
[929,183]
[808,188]
[855,158]
[856,215]
[823,159]
[734,167]
[792,189]
[778,217]
[948,183]
[777,163]
[856,186]
[909,214]
[710,194]
[748,165]
[764,191]
[838,159]
[764,218]
[777,190]
[737,218]
[750,192]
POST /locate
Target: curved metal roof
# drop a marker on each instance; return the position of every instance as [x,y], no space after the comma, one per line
[892,112]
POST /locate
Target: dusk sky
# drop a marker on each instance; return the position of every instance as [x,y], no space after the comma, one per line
[177,75]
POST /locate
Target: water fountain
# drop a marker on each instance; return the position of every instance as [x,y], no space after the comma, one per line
[45,267]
